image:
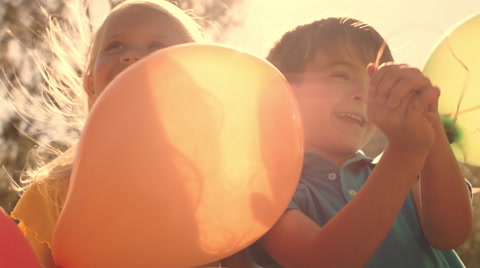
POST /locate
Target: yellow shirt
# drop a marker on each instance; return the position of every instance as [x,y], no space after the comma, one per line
[37,212]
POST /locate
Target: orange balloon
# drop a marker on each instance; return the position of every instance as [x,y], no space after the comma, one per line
[189,156]
[14,248]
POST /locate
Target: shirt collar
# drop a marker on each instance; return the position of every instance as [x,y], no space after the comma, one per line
[315,163]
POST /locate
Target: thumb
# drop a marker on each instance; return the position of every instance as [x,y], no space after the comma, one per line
[371,68]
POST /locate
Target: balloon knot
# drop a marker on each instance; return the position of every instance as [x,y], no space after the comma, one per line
[451,129]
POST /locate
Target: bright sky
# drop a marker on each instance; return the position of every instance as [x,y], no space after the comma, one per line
[411,27]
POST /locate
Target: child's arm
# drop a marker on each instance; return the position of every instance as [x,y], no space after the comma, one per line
[352,236]
[37,215]
[441,194]
[362,225]
[442,198]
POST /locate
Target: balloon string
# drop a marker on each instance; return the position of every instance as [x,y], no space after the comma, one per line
[465,111]
[462,95]
[380,54]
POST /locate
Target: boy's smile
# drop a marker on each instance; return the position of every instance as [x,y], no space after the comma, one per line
[352,118]
[332,96]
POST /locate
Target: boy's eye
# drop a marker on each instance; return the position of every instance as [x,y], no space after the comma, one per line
[114,45]
[340,75]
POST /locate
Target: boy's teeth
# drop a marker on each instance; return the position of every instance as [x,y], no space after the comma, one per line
[354,117]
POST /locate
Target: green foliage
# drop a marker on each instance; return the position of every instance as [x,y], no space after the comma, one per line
[21,24]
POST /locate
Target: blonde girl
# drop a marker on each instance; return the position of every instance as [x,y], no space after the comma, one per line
[132,30]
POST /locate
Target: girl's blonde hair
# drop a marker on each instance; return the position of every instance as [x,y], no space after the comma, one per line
[71,57]
[180,18]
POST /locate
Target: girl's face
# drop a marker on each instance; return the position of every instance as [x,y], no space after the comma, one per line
[129,34]
[332,99]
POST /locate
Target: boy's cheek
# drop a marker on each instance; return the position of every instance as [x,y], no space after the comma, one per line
[310,108]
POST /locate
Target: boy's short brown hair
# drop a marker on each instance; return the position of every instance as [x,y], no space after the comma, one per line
[297,47]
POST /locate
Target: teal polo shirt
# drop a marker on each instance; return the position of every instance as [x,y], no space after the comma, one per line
[324,189]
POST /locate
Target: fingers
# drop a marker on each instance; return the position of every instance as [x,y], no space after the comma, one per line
[392,83]
[399,92]
[427,98]
[371,68]
[377,76]
[402,103]
[426,102]
[417,104]
[432,112]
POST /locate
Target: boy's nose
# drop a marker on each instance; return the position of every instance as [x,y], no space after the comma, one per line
[360,95]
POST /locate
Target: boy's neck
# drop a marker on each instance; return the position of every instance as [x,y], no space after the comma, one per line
[336,158]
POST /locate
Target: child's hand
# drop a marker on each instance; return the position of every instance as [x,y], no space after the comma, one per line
[403,104]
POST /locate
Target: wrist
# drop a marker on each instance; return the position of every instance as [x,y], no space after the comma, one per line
[407,162]
[402,150]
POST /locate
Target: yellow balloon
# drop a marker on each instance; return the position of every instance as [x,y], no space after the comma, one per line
[454,66]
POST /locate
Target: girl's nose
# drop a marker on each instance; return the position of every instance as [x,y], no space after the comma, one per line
[130,56]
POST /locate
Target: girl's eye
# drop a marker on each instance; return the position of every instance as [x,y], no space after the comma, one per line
[341,75]
[114,45]
[157,45]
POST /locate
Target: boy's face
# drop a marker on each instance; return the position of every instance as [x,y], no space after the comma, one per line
[332,98]
[129,34]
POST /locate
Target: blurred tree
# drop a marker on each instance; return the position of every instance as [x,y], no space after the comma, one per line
[21,24]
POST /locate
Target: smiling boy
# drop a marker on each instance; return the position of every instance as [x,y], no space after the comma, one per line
[348,211]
